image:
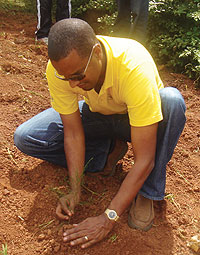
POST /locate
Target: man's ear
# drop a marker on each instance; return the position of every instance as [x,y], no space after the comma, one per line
[98,51]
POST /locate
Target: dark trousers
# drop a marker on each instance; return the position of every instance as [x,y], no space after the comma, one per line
[132,19]
[44,7]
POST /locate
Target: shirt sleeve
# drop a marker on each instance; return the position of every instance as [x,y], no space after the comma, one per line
[141,95]
[63,100]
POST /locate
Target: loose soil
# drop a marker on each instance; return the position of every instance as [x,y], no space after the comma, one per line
[29,188]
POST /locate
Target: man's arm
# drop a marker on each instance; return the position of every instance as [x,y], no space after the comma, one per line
[144,146]
[74,145]
[96,228]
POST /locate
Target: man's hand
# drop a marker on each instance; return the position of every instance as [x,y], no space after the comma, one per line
[89,231]
[66,205]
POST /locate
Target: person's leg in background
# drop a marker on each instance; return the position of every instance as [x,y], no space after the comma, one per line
[139,11]
[63,9]
[131,21]
[123,20]
[44,19]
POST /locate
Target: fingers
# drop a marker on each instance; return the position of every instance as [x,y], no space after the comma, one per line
[65,207]
[70,235]
[78,236]
[89,243]
[60,214]
[75,236]
[88,232]
[78,241]
[84,240]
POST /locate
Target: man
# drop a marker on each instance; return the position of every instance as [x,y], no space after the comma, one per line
[132,19]
[124,101]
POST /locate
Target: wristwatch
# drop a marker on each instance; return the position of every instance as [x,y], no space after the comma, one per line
[112,215]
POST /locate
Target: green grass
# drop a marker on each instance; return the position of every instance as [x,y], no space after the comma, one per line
[19,5]
[171,198]
[113,238]
[57,191]
[4,249]
[45,225]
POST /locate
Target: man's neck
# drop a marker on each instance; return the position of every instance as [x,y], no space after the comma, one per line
[103,71]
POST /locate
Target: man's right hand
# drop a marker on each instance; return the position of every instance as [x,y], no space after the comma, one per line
[74,146]
[66,205]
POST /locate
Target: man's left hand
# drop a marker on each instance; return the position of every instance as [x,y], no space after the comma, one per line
[89,231]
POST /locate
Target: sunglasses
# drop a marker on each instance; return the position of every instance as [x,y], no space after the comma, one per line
[77,77]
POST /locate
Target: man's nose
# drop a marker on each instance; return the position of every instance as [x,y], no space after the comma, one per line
[73,84]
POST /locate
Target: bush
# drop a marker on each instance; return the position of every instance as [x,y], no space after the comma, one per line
[18,5]
[174,35]
[99,14]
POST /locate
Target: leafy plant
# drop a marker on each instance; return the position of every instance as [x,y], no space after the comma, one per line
[24,5]
[174,35]
[79,7]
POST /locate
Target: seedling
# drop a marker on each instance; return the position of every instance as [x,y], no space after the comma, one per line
[58,192]
[196,150]
[113,238]
[170,197]
[183,177]
[3,34]
[10,155]
[4,249]
[29,91]
[91,191]
[45,225]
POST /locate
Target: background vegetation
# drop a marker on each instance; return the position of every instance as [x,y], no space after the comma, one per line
[173,28]
[174,35]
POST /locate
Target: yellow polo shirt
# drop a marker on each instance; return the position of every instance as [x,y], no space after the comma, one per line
[131,85]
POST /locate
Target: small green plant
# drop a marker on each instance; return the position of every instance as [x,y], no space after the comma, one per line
[57,191]
[171,198]
[4,249]
[114,237]
[46,224]
[83,184]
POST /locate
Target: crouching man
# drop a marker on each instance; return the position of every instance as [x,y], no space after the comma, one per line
[124,101]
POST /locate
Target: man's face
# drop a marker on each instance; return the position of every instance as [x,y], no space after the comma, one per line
[81,72]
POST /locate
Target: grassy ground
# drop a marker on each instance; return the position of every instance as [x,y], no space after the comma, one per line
[22,5]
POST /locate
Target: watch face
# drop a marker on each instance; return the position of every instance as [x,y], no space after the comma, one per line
[112,214]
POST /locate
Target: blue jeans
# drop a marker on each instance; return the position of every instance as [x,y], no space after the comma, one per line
[42,137]
[132,19]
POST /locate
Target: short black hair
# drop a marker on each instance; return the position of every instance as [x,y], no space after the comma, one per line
[68,34]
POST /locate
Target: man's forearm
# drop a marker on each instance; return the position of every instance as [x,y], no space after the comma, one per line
[144,146]
[130,187]
[75,155]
